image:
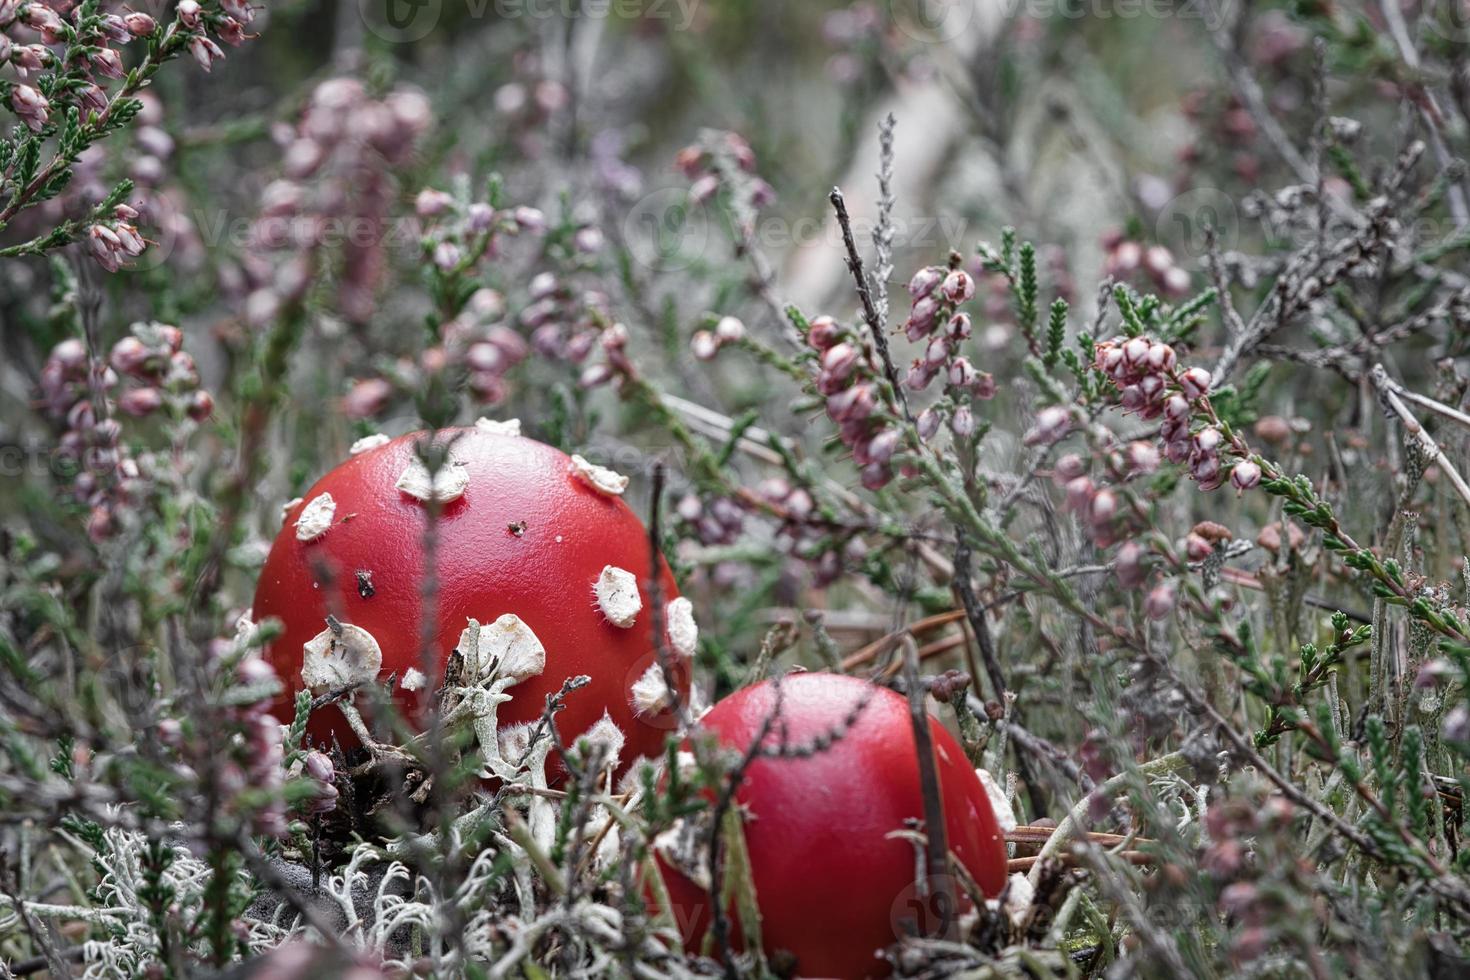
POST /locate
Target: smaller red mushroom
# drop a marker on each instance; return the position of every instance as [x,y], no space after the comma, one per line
[834,880]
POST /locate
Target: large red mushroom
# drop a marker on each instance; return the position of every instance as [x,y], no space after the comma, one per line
[542,573]
[834,880]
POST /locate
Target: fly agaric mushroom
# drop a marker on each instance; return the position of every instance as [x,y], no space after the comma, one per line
[542,576]
[833,881]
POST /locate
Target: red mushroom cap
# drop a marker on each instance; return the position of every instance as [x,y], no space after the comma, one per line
[833,887]
[528,532]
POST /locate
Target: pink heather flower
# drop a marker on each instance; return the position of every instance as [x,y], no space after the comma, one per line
[318,766]
[958,286]
[200,405]
[529,219]
[1103,507]
[1158,260]
[962,373]
[1052,424]
[204,51]
[1143,457]
[704,188]
[823,333]
[1208,439]
[882,446]
[1135,352]
[838,361]
[920,375]
[1067,469]
[139,24]
[730,329]
[479,218]
[92,97]
[1197,548]
[30,57]
[963,422]
[851,404]
[928,423]
[984,386]
[1160,601]
[1176,407]
[447,255]
[105,61]
[1161,357]
[937,352]
[140,402]
[1195,382]
[925,281]
[1131,566]
[31,106]
[959,327]
[189,14]
[875,476]
[1079,495]
[704,345]
[921,318]
[238,9]
[431,202]
[43,19]
[367,398]
[1245,475]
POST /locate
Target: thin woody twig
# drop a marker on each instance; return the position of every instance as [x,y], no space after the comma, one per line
[1390,392]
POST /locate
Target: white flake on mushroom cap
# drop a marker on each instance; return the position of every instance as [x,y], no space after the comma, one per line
[650,693]
[413,679]
[337,658]
[286,508]
[368,443]
[682,629]
[448,483]
[510,427]
[316,517]
[617,596]
[605,481]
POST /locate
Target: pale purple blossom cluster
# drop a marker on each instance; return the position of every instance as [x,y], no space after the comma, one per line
[1152,385]
[705,344]
[146,373]
[723,160]
[1127,259]
[335,193]
[936,294]
[317,767]
[253,764]
[848,376]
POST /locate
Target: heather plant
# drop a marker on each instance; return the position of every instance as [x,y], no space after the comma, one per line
[1112,408]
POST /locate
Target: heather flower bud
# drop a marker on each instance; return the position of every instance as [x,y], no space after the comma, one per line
[140,402]
[1143,457]
[928,423]
[882,446]
[925,280]
[1195,382]
[1131,565]
[1208,439]
[1079,494]
[958,286]
[704,345]
[1052,424]
[1135,352]
[139,24]
[919,376]
[1160,602]
[921,318]
[529,219]
[1067,469]
[961,373]
[318,766]
[824,333]
[106,62]
[963,422]
[1176,407]
[937,352]
[1103,507]
[1161,357]
[959,327]
[704,188]
[204,51]
[1245,475]
[200,405]
[31,106]
[431,202]
[1197,548]
[875,476]
[839,361]
[189,13]
[729,330]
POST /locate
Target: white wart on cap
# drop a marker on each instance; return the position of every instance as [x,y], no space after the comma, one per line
[617,595]
[316,517]
[607,482]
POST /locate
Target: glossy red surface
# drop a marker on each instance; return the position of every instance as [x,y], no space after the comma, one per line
[833,888]
[544,575]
